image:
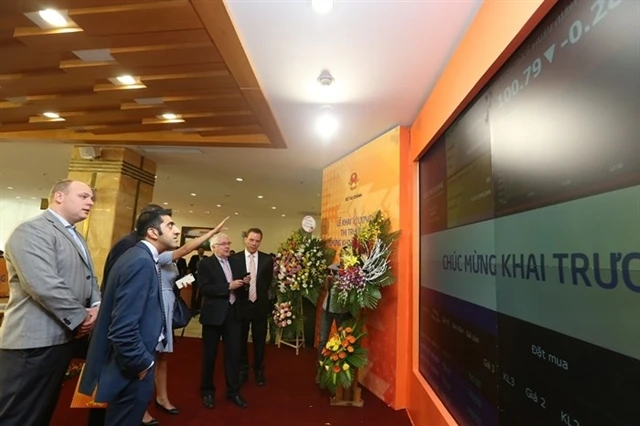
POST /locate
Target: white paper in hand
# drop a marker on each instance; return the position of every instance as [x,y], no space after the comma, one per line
[185,281]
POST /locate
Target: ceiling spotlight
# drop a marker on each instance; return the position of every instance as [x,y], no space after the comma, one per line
[127,79]
[273,208]
[260,196]
[18,197]
[322,6]
[53,17]
[51,115]
[218,205]
[9,187]
[239,179]
[165,203]
[169,116]
[283,215]
[190,211]
[193,194]
[326,124]
[236,213]
[207,212]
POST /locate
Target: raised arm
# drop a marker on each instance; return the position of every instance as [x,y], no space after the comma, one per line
[190,246]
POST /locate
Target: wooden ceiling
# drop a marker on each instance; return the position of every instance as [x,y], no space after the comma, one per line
[185,55]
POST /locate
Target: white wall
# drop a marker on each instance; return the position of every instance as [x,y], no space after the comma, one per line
[13,212]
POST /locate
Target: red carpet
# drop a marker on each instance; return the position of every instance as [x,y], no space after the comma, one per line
[290,397]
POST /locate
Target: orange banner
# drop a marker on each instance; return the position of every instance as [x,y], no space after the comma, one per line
[354,188]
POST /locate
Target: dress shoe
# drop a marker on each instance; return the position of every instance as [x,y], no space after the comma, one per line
[152,422]
[260,380]
[161,407]
[207,401]
[238,400]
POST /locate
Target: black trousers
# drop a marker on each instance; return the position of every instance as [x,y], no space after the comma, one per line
[258,325]
[196,297]
[30,383]
[230,331]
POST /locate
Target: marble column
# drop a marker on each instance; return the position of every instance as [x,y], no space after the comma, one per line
[123,182]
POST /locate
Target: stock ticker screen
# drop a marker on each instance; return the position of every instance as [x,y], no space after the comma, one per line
[530,232]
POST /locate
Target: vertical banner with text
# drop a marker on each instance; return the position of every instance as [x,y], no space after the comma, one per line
[354,188]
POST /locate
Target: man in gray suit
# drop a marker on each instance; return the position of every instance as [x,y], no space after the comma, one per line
[53,300]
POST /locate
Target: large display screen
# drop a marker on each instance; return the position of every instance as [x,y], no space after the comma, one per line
[530,232]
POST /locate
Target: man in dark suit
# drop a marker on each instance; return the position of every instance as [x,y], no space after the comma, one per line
[219,319]
[253,303]
[192,268]
[96,415]
[53,301]
[121,356]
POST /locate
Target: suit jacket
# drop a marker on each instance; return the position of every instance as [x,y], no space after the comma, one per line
[50,285]
[214,288]
[264,277]
[128,326]
[118,249]
[193,264]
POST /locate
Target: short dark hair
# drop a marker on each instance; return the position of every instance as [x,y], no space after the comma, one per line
[150,219]
[255,231]
[154,207]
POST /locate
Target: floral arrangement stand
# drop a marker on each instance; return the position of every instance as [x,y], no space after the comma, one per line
[348,397]
[296,342]
[365,269]
[300,269]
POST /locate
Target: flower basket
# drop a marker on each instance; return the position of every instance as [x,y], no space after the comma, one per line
[288,320]
[342,357]
[301,266]
[365,266]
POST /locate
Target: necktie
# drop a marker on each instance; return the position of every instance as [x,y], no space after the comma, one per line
[163,332]
[76,238]
[252,270]
[229,276]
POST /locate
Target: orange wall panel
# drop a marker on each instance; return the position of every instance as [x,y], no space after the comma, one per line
[498,29]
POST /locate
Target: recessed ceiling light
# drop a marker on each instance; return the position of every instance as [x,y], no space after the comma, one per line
[190,211]
[322,6]
[9,187]
[193,194]
[165,203]
[155,177]
[17,197]
[169,116]
[260,196]
[126,79]
[239,179]
[273,208]
[283,215]
[33,198]
[51,115]
[53,17]
[207,212]
[326,124]
[236,213]
[218,205]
